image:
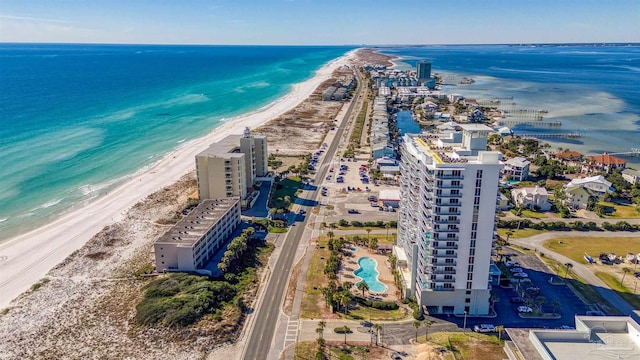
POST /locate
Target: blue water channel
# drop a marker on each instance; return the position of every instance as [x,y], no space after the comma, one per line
[369,274]
[406,124]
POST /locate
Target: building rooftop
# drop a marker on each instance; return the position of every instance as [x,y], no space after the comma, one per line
[389,194]
[444,152]
[194,225]
[606,159]
[224,148]
[595,338]
[518,161]
[476,127]
[597,179]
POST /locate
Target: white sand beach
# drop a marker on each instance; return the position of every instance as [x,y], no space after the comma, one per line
[26,259]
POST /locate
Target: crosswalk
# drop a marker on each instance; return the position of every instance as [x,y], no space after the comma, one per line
[291,336]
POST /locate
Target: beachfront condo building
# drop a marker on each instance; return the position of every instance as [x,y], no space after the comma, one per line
[446,221]
[229,167]
[190,244]
[423,70]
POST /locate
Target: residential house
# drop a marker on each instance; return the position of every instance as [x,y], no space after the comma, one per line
[580,190]
[531,198]
[503,203]
[569,158]
[517,168]
[605,162]
[631,176]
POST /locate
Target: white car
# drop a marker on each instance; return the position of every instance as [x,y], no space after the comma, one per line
[516,270]
[484,328]
[511,264]
[524,309]
[520,275]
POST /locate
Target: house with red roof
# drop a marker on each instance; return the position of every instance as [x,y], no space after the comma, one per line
[605,162]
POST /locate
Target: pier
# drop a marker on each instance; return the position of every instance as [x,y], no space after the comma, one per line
[513,122]
[571,135]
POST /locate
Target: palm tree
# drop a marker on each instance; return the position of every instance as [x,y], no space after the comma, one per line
[373,244]
[368,230]
[625,271]
[540,300]
[555,305]
[499,329]
[416,324]
[377,328]
[346,330]
[347,285]
[330,234]
[363,286]
[345,299]
[509,233]
[568,266]
[427,324]
[393,260]
[387,226]
[320,329]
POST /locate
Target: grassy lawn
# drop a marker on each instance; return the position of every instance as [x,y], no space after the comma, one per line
[466,346]
[314,280]
[366,313]
[615,284]
[621,211]
[583,290]
[532,214]
[305,350]
[575,247]
[518,234]
[289,188]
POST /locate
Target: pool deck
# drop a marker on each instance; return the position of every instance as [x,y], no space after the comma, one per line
[350,264]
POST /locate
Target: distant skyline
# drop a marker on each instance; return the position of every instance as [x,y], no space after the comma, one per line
[313,22]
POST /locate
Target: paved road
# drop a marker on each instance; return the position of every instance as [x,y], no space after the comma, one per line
[266,318]
[581,270]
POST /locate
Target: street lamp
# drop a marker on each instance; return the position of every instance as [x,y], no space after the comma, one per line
[464,327]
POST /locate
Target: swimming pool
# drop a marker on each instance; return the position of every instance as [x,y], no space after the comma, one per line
[368,272]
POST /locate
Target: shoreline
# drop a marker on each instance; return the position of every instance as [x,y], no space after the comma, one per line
[26,258]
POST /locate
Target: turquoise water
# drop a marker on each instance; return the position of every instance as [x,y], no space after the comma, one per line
[77,120]
[368,272]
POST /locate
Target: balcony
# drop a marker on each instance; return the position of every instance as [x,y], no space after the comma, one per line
[443,255]
[438,280]
[450,177]
[446,221]
[441,246]
[442,288]
[448,186]
[438,270]
[448,195]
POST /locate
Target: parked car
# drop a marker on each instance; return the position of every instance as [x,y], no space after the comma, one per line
[484,328]
[353,211]
[374,204]
[512,264]
[516,300]
[372,198]
[520,275]
[533,289]
[524,309]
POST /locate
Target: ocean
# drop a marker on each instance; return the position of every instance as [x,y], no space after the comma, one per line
[77,120]
[590,89]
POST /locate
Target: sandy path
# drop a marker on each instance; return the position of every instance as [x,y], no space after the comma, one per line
[27,258]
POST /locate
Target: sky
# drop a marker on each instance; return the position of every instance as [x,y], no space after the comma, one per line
[319,22]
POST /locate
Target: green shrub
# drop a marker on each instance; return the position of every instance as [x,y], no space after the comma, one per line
[181,300]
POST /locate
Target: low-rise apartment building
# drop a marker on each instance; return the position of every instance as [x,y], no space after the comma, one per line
[191,243]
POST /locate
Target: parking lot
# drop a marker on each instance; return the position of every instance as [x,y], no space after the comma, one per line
[538,275]
[352,193]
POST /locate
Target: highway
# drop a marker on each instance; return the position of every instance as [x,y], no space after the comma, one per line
[260,338]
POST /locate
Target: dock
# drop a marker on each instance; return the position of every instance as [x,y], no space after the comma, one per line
[571,135]
[512,122]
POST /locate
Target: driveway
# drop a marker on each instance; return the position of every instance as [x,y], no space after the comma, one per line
[260,209]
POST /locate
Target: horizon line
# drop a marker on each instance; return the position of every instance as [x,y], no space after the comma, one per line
[325,45]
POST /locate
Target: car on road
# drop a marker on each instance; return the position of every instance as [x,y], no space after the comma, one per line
[328,177]
[520,275]
[484,328]
[516,300]
[353,211]
[524,309]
